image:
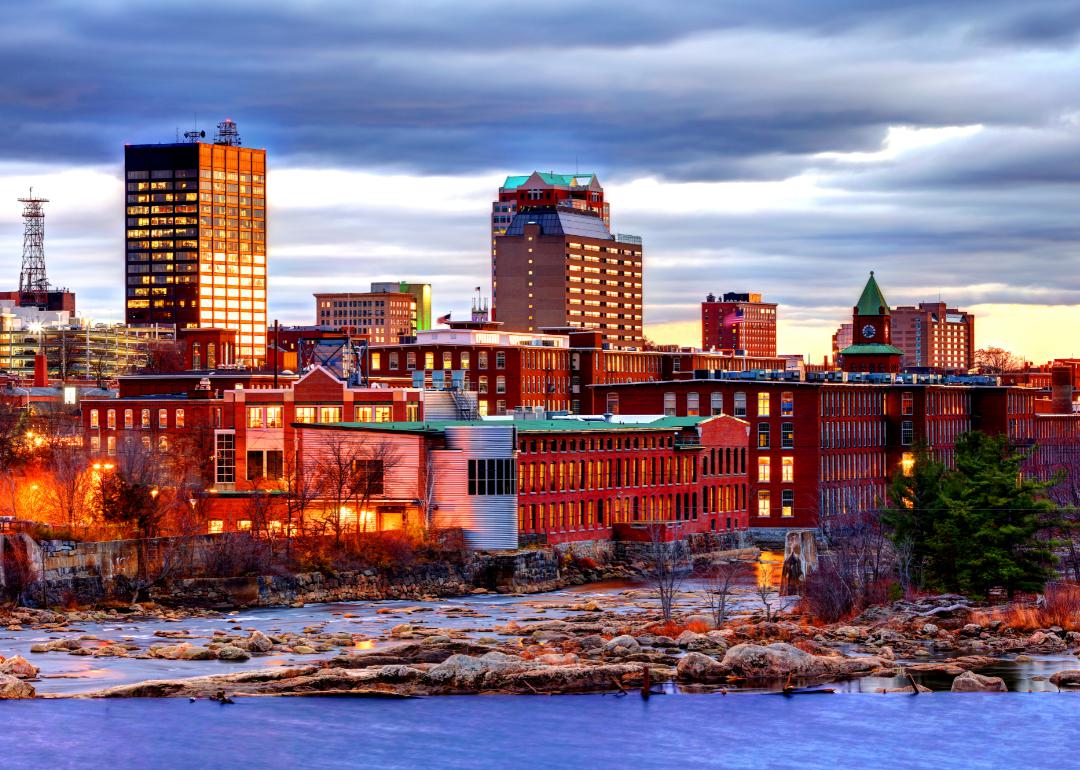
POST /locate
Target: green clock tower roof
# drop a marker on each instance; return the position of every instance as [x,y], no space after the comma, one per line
[872,301]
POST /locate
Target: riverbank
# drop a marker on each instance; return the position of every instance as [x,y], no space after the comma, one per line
[595,639]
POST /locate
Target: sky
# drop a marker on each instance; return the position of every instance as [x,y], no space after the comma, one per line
[785,146]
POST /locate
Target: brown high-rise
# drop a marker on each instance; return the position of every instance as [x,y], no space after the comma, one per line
[935,336]
[562,267]
[196,237]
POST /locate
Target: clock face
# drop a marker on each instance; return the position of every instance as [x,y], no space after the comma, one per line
[869,331]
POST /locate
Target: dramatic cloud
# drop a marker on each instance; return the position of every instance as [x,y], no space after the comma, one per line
[784,146]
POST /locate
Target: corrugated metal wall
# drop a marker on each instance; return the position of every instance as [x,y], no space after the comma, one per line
[489,521]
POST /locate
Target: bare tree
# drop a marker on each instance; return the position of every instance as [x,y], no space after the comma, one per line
[665,563]
[350,474]
[720,579]
[766,571]
[996,361]
[68,490]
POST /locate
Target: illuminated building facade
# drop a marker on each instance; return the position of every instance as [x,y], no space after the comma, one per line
[195,216]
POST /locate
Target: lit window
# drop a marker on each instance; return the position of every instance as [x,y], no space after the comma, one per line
[447,360]
[329,414]
[763,433]
[764,505]
[215,526]
[273,417]
[129,419]
[787,469]
[145,418]
[110,419]
[763,404]
[764,469]
[179,417]
[305,414]
[255,417]
[94,418]
[787,503]
[429,360]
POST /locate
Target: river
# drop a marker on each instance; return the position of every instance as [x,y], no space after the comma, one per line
[835,732]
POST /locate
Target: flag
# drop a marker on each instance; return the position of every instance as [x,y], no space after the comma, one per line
[477,288]
[443,319]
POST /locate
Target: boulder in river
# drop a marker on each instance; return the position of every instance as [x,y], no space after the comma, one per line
[19,667]
[232,653]
[697,667]
[969,681]
[13,688]
[1067,678]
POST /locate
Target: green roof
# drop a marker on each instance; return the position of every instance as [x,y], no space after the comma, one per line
[514,182]
[523,426]
[872,301]
[872,349]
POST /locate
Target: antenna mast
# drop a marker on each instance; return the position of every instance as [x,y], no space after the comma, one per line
[33,285]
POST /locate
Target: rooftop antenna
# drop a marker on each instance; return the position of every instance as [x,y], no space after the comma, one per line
[33,285]
[194,135]
[227,133]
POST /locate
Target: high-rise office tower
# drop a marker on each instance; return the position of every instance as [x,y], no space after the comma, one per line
[559,265]
[740,322]
[576,192]
[196,237]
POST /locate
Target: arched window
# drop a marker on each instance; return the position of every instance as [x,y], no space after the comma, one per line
[196,355]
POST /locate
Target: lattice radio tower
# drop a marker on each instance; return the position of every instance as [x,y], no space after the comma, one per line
[33,285]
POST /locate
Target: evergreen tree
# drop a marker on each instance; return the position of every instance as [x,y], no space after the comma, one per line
[994,517]
[977,526]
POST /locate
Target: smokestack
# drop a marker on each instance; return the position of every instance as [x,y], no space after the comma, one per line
[41,371]
[1061,390]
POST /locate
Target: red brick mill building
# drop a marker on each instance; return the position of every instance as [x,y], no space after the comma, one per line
[831,443]
[561,480]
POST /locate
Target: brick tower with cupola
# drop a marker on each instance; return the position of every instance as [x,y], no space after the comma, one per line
[872,350]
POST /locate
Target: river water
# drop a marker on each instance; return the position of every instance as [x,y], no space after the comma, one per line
[837,732]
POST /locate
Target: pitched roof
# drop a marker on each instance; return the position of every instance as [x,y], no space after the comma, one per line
[560,222]
[569,180]
[871,349]
[872,301]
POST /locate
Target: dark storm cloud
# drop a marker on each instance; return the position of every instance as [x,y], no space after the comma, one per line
[711,90]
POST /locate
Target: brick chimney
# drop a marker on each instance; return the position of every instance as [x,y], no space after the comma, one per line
[1061,390]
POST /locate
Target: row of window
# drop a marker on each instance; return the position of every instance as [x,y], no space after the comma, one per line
[716,404]
[447,360]
[144,418]
[536,477]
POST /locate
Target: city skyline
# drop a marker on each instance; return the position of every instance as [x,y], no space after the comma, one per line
[791,184]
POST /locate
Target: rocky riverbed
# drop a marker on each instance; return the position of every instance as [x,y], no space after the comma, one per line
[599,638]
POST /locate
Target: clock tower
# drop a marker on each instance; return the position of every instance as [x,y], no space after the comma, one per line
[872,349]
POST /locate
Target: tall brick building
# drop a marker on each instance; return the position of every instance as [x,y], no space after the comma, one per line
[739,322]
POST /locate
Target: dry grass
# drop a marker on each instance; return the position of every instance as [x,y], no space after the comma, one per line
[673,628]
[1060,607]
